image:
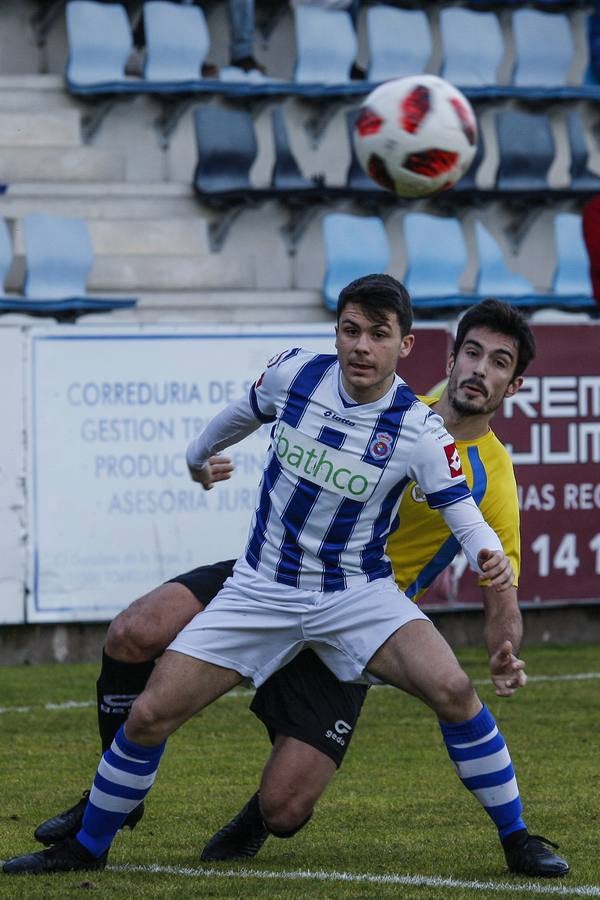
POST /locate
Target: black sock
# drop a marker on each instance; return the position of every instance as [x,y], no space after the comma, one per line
[116,689]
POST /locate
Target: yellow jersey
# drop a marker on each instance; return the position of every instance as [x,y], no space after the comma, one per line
[422,545]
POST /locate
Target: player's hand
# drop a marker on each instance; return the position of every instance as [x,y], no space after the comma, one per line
[216,468]
[508,671]
[496,566]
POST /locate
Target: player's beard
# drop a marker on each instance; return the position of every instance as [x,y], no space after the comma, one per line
[467,407]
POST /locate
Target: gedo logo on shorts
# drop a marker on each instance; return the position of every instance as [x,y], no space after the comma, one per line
[325,466]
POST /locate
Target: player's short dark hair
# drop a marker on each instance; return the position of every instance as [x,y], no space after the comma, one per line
[505,319]
[377,295]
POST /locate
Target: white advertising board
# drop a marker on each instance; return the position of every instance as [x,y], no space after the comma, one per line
[112,509]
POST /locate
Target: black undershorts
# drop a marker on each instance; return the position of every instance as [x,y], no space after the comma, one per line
[304,699]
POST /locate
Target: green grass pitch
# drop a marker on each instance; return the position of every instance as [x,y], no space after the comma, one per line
[395,808]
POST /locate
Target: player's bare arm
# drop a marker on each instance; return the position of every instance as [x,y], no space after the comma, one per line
[503,634]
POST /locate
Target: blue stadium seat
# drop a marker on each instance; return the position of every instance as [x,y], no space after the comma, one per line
[354,246]
[581,177]
[473,46]
[326,45]
[572,274]
[543,47]
[100,40]
[227,148]
[6,253]
[494,278]
[58,259]
[437,256]
[177,41]
[286,178]
[399,42]
[526,147]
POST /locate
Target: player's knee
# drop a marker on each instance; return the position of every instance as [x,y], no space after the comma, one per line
[129,640]
[285,816]
[455,694]
[147,723]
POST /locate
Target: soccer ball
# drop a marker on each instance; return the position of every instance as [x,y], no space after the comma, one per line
[416,135]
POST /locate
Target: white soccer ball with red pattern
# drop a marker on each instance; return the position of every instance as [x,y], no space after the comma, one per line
[416,135]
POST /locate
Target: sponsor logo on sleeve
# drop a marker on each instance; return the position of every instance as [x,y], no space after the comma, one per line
[454,463]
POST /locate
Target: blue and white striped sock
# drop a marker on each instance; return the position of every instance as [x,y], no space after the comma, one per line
[484,766]
[125,775]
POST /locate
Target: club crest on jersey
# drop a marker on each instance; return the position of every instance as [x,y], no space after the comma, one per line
[454,463]
[381,445]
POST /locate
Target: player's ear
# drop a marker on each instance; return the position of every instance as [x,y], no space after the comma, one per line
[406,345]
[450,364]
[515,385]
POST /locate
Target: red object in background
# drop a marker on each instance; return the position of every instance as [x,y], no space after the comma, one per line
[591,236]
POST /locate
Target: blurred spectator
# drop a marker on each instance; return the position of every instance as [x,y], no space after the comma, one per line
[591,236]
[241,38]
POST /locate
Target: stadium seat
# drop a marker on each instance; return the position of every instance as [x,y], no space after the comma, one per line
[354,246]
[6,253]
[437,256]
[227,148]
[326,45]
[58,259]
[571,276]
[494,278]
[177,41]
[473,46]
[399,42]
[286,177]
[543,48]
[100,40]
[526,148]
[581,177]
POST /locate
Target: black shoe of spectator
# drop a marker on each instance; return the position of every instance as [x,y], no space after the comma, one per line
[248,64]
[357,73]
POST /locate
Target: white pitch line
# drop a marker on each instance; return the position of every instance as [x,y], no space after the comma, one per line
[82,704]
[434,881]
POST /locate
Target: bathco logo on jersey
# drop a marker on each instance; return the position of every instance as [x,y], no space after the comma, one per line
[336,471]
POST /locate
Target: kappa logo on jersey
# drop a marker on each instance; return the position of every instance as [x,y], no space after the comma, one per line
[381,445]
[335,470]
[453,458]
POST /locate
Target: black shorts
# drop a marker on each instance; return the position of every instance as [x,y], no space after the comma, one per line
[304,700]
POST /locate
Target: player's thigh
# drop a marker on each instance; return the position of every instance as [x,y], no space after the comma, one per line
[178,687]
[304,700]
[419,660]
[147,627]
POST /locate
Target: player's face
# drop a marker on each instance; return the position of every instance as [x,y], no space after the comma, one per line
[368,352]
[481,374]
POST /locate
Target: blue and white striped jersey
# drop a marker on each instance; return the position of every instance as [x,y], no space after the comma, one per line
[335,473]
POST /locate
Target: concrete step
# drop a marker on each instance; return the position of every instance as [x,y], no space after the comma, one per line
[166,273]
[158,237]
[223,307]
[58,128]
[60,164]
[34,92]
[100,200]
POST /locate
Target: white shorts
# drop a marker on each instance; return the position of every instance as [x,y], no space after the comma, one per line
[255,626]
